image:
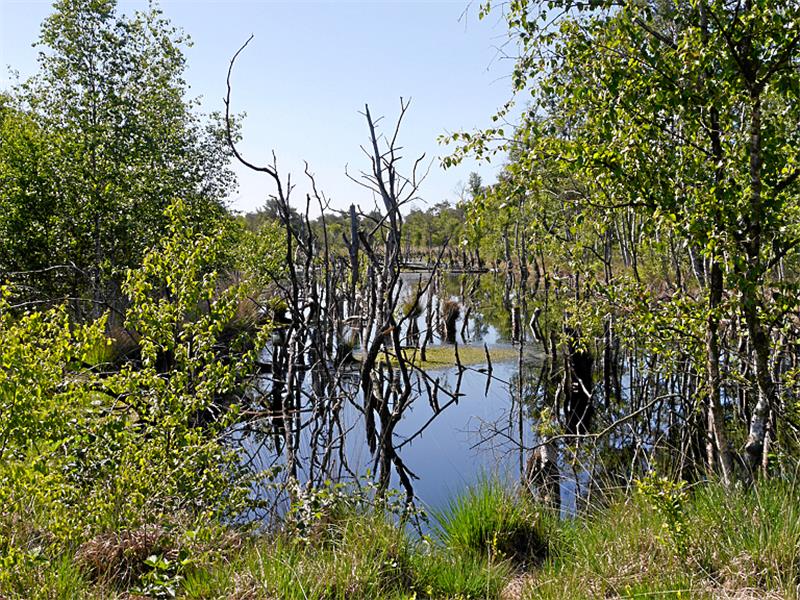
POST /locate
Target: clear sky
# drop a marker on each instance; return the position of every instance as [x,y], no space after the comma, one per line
[310,69]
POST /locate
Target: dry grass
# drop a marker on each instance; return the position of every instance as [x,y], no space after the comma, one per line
[119,557]
[516,586]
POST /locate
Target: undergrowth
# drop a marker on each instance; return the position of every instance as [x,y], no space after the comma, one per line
[669,540]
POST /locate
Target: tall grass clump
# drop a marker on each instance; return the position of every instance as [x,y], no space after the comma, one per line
[489,519]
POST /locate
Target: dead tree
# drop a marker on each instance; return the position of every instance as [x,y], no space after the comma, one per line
[387,387]
[310,380]
[542,477]
[578,385]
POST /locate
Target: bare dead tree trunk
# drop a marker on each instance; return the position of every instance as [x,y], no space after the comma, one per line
[542,476]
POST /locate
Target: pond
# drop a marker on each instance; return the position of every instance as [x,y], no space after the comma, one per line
[463,423]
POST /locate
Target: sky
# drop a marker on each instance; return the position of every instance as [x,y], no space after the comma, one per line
[305,77]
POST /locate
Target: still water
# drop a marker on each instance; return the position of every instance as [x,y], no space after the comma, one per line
[482,434]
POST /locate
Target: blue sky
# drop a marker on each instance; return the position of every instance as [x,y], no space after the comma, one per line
[310,69]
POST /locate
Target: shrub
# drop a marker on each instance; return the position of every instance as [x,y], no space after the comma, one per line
[87,457]
[668,498]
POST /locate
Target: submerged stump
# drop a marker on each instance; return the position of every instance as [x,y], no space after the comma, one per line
[451,310]
[542,478]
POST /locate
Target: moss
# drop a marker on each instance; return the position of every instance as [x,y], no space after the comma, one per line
[440,357]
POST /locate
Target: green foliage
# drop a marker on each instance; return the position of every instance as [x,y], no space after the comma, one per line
[45,408]
[95,146]
[86,452]
[164,577]
[648,111]
[654,179]
[668,498]
[430,229]
[260,255]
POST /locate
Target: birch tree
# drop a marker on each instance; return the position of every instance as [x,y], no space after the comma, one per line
[687,114]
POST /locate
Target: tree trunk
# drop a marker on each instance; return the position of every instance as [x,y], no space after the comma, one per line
[759,339]
[542,477]
[716,420]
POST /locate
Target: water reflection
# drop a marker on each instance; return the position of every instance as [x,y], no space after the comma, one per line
[462,424]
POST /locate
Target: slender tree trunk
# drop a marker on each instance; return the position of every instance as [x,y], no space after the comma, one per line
[716,420]
[714,280]
[759,339]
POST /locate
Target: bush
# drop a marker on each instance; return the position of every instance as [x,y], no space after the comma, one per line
[87,457]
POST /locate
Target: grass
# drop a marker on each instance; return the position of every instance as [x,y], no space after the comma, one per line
[755,536]
[439,357]
[361,557]
[741,544]
[491,520]
[489,543]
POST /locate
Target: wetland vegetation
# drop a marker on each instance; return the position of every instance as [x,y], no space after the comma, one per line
[579,382]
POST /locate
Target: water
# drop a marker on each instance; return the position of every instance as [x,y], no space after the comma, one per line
[458,448]
[483,434]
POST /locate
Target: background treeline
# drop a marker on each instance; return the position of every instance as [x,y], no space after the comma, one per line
[425,232]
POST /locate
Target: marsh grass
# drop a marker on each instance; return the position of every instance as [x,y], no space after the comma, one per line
[366,556]
[439,357]
[491,520]
[489,543]
[451,310]
[412,306]
[740,544]
[749,539]
[45,579]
